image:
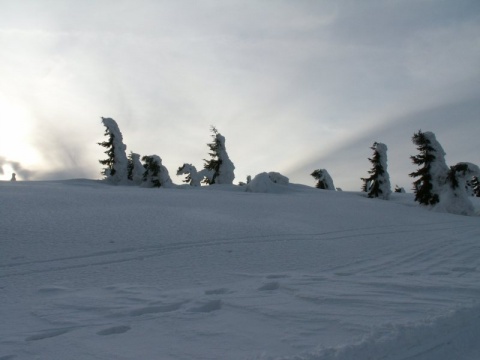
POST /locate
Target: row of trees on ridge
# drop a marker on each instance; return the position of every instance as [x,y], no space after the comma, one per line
[435,184]
[121,169]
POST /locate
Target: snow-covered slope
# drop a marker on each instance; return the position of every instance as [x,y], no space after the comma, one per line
[91,271]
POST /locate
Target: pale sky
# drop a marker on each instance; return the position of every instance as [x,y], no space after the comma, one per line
[292,85]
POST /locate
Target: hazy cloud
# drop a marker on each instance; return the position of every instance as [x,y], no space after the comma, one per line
[23,173]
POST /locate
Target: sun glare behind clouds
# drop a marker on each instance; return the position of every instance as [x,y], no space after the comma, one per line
[15,130]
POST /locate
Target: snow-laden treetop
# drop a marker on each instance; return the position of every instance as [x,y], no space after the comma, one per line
[438,167]
[112,128]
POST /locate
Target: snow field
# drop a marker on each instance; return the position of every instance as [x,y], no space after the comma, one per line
[90,271]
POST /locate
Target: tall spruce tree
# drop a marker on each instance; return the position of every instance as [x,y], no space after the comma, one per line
[378,183]
[219,163]
[432,174]
[116,170]
[324,180]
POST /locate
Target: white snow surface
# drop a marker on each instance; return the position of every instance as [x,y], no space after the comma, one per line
[94,271]
[278,178]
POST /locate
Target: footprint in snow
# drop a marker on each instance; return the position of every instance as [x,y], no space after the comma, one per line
[8,357]
[274,285]
[52,290]
[155,309]
[277,276]
[47,334]
[114,330]
[220,291]
[439,273]
[343,273]
[207,307]
[464,269]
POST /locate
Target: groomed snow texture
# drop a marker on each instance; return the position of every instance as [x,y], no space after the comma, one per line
[92,271]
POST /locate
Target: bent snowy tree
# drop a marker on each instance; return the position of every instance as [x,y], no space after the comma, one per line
[116,170]
[155,175]
[219,163]
[378,183]
[432,174]
[324,180]
[438,185]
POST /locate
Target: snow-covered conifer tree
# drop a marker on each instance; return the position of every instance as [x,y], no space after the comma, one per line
[475,186]
[378,183]
[324,180]
[116,163]
[432,174]
[155,175]
[399,189]
[135,168]
[469,187]
[194,177]
[220,163]
[454,197]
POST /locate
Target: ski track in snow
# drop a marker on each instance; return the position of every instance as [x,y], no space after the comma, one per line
[356,290]
[140,253]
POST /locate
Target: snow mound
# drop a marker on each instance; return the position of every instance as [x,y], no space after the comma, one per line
[453,336]
[271,182]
